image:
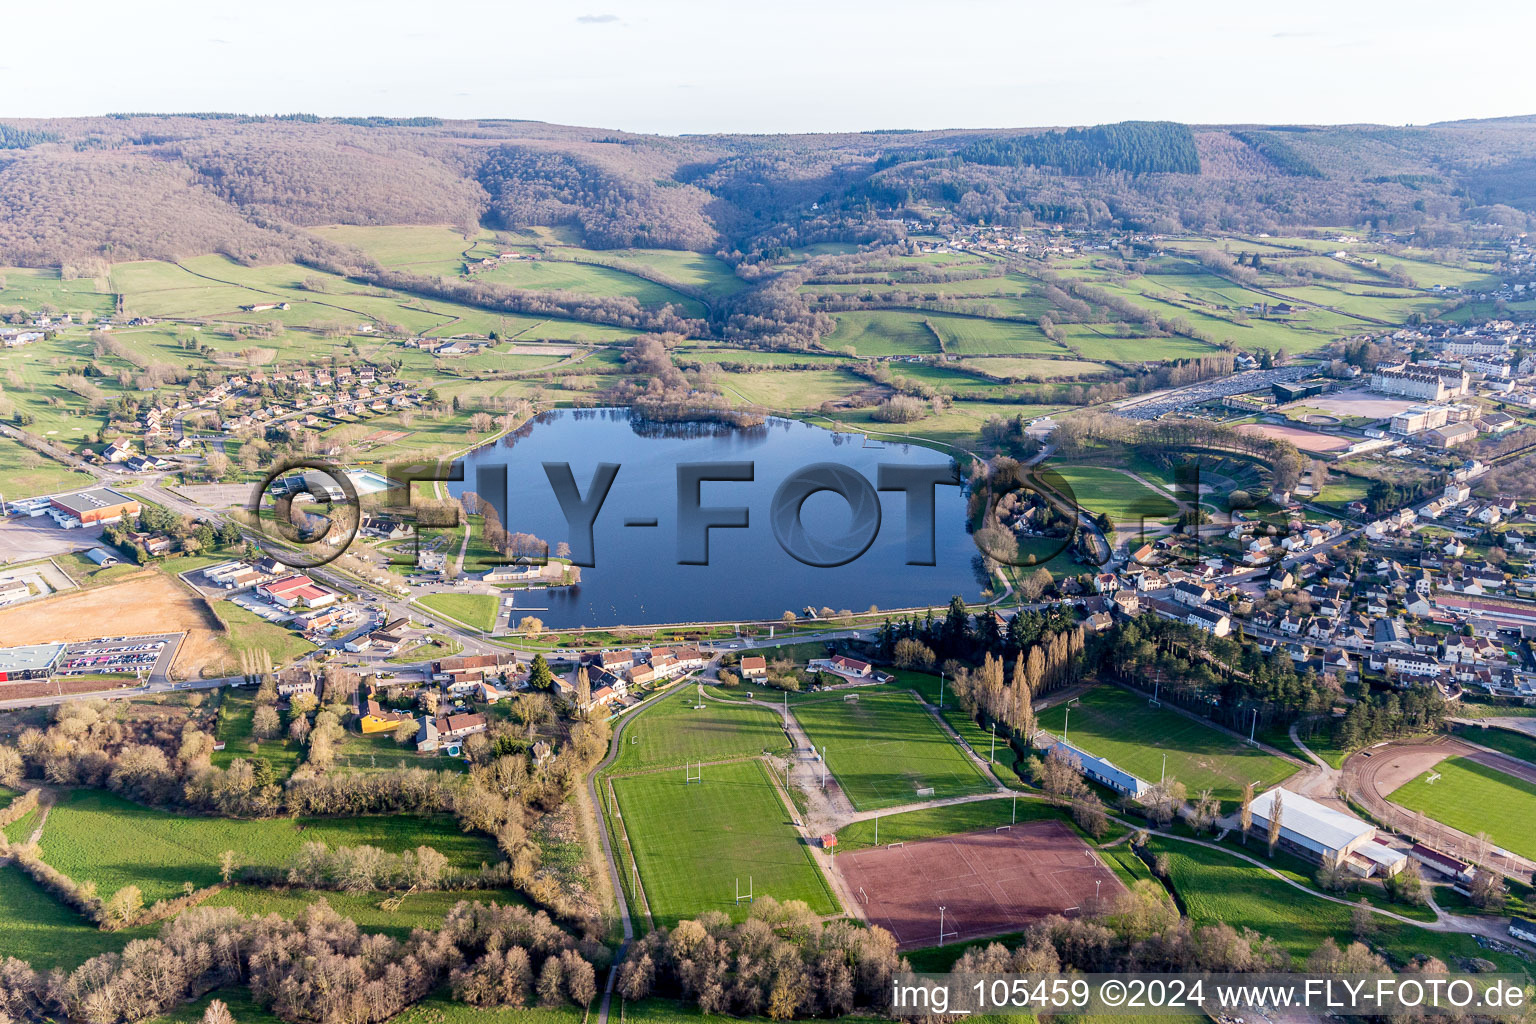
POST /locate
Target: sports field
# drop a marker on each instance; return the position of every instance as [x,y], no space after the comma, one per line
[1476,798]
[167,849]
[988,882]
[1122,727]
[1100,489]
[930,822]
[674,731]
[694,841]
[1216,887]
[884,747]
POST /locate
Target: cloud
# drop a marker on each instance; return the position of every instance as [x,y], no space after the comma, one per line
[596,19]
[1294,35]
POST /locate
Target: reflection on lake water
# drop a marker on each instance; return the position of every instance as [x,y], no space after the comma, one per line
[636,579]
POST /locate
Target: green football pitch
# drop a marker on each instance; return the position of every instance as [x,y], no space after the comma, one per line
[886,749]
[1475,798]
[696,842]
[676,730]
[1125,729]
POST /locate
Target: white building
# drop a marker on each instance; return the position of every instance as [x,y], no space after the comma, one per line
[1310,828]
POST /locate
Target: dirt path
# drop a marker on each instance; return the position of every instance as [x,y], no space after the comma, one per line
[1319,781]
[45,798]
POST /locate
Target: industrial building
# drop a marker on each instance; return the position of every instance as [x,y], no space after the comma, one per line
[1325,835]
[95,506]
[36,661]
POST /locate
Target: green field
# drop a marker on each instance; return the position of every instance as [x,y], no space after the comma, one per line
[33,289]
[710,274]
[883,332]
[1122,727]
[27,474]
[1123,499]
[481,611]
[1220,889]
[588,279]
[167,849]
[235,733]
[417,910]
[1039,369]
[944,821]
[39,929]
[973,336]
[692,841]
[671,732]
[885,746]
[245,630]
[791,389]
[440,1009]
[1476,798]
[423,248]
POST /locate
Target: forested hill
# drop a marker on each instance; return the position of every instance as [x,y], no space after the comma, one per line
[134,186]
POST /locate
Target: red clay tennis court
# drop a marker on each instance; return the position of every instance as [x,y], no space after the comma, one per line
[988,882]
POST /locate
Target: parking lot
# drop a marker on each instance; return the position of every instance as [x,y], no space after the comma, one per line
[24,538]
[1153,406]
[114,655]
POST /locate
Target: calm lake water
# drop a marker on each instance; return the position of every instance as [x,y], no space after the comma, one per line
[636,579]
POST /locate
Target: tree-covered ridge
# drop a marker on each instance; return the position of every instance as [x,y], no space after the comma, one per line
[17,138]
[1133,147]
[1280,153]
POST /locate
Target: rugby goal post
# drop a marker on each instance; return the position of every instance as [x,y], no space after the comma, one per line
[694,773]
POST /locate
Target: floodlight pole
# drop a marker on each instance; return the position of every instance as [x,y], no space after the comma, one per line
[1156,686]
[877,828]
[992,755]
[1253,726]
[1164,777]
[823,766]
[941,689]
[941,925]
[1096,895]
[1015,819]
[1066,714]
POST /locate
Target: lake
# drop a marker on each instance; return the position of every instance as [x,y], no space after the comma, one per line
[636,578]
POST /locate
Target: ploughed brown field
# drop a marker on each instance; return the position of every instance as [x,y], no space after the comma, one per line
[146,602]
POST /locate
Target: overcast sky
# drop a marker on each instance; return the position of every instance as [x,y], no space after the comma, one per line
[676,66]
